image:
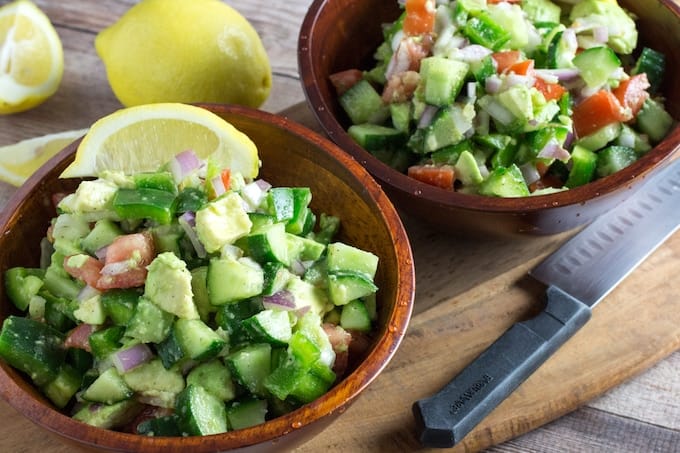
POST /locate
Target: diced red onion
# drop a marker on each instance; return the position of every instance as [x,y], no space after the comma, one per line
[232,251]
[302,310]
[553,150]
[492,84]
[101,253]
[601,34]
[254,193]
[569,140]
[499,112]
[119,267]
[126,359]
[473,52]
[400,61]
[184,164]
[427,116]
[530,173]
[471,89]
[282,300]
[87,292]
[188,221]
[218,185]
[515,79]
[557,75]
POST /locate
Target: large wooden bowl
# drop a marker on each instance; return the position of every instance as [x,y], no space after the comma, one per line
[343,34]
[291,156]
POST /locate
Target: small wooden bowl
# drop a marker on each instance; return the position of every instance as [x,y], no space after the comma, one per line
[291,156]
[343,34]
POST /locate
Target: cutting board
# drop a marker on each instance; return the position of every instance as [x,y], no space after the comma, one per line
[468,292]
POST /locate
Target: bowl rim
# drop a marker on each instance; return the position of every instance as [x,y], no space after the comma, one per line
[336,400]
[658,156]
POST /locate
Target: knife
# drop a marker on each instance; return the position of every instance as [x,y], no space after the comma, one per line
[578,276]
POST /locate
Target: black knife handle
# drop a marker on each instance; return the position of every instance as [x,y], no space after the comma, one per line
[454,411]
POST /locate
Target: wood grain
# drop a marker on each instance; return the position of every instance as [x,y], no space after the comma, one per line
[467,294]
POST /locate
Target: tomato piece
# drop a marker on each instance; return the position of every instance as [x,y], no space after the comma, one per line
[419,19]
[225,175]
[632,93]
[79,337]
[550,91]
[597,111]
[126,260]
[87,269]
[524,67]
[441,176]
[344,80]
[505,59]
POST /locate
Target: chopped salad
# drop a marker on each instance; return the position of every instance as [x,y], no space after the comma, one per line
[188,301]
[508,98]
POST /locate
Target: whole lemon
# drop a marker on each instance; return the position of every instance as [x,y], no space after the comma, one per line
[184,51]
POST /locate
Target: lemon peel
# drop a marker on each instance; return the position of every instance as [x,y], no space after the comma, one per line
[20,160]
[31,57]
[184,51]
[143,138]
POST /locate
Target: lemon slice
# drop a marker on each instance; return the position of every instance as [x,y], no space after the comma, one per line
[145,137]
[31,57]
[20,160]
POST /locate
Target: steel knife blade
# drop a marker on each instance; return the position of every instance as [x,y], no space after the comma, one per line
[578,275]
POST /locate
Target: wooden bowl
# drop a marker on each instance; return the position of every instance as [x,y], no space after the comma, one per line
[291,155]
[356,33]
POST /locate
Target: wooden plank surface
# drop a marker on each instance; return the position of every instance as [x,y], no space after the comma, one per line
[468,292]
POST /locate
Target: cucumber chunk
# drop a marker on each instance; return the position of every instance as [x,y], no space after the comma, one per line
[246,412]
[250,366]
[200,412]
[108,388]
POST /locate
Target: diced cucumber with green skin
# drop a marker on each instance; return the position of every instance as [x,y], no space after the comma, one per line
[628,136]
[400,112]
[511,19]
[374,137]
[269,243]
[560,54]
[160,180]
[167,238]
[448,127]
[344,257]
[197,339]
[276,276]
[450,154]
[584,164]
[505,182]
[90,311]
[442,79]
[653,64]
[230,280]
[199,289]
[108,388]
[371,304]
[166,426]
[345,286]
[190,199]
[304,349]
[259,220]
[601,137]
[156,384]
[215,377]
[246,412]
[120,304]
[149,323]
[170,350]
[200,412]
[250,365]
[21,284]
[482,69]
[102,234]
[104,342]
[32,347]
[307,249]
[363,104]
[481,29]
[309,387]
[654,120]
[62,388]
[109,416]
[59,311]
[302,196]
[229,316]
[355,316]
[614,158]
[596,64]
[80,359]
[269,326]
[58,283]
[542,11]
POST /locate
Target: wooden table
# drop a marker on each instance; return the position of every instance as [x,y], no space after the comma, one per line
[468,292]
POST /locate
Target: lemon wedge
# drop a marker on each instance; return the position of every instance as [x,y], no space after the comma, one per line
[145,137]
[31,57]
[20,160]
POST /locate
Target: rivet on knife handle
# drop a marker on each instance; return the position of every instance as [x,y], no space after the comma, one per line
[578,275]
[449,415]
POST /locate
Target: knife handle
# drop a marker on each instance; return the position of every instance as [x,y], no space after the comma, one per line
[445,418]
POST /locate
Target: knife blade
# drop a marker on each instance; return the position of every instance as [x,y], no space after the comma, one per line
[578,276]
